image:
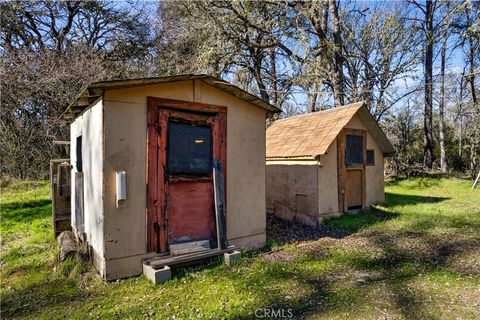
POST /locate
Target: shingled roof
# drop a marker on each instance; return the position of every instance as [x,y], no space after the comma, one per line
[309,135]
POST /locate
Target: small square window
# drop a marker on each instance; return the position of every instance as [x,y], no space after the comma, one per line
[189,149]
[370,157]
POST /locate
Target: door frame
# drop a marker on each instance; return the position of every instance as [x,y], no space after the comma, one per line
[343,168]
[155,211]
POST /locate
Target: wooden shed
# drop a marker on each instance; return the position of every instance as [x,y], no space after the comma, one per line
[324,163]
[142,155]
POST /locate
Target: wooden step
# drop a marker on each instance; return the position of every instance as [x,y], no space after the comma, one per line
[168,260]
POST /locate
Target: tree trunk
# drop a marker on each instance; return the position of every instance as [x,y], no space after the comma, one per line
[473,155]
[471,80]
[443,160]
[312,98]
[337,70]
[257,74]
[273,73]
[428,151]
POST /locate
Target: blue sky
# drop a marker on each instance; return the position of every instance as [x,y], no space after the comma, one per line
[455,61]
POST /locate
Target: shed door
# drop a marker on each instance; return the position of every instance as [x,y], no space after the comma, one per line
[182,144]
[353,189]
[351,169]
[189,187]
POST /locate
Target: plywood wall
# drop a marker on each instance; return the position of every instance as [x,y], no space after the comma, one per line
[328,182]
[90,125]
[125,147]
[292,190]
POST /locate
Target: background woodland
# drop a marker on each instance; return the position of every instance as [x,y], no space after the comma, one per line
[415,63]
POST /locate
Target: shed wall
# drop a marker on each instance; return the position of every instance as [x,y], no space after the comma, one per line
[125,149]
[292,191]
[328,182]
[90,126]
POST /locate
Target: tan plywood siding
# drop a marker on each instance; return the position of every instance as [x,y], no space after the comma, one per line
[245,166]
[125,149]
[90,126]
[286,184]
[328,182]
[375,183]
[375,175]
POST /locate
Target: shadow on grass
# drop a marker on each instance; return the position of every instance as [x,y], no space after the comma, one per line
[352,223]
[355,222]
[30,299]
[286,232]
[26,211]
[318,289]
[418,182]
[394,258]
[397,199]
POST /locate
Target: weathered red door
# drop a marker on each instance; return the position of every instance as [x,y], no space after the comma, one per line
[183,140]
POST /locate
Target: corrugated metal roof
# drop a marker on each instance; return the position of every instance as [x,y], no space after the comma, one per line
[310,135]
[93,91]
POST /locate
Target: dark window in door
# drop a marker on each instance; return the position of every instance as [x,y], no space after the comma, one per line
[354,150]
[78,149]
[189,149]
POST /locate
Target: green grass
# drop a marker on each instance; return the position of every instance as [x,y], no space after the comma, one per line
[415,257]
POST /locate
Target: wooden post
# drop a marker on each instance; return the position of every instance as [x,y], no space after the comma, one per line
[476,180]
[219,196]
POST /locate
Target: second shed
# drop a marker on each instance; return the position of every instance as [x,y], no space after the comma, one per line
[324,163]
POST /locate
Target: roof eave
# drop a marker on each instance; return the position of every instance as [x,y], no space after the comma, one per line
[96,90]
[300,158]
[83,101]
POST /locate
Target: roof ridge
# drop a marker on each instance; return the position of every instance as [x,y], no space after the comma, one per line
[316,113]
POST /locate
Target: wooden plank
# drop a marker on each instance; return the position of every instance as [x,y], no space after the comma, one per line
[189,247]
[187,105]
[219,197]
[59,142]
[156,184]
[63,180]
[166,256]
[177,260]
[60,189]
[190,211]
[152,159]
[364,171]
[79,213]
[353,188]
[341,169]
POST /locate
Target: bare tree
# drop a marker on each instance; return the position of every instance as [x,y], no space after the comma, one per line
[50,51]
[379,46]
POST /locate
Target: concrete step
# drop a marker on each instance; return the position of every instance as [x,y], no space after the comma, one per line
[157,276]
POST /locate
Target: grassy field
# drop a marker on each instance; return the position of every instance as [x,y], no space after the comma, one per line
[415,257]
